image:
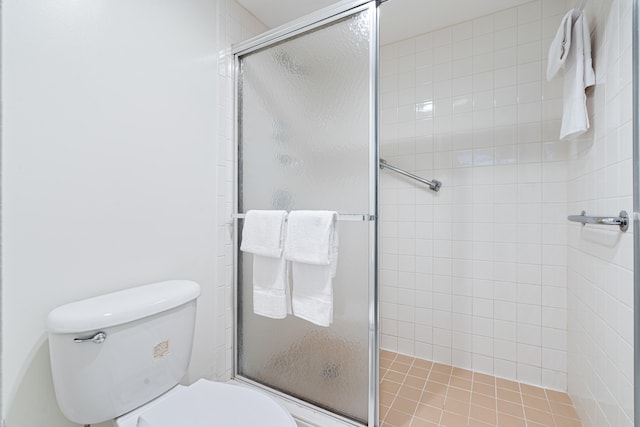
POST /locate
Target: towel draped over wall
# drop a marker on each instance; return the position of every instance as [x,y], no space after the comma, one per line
[571,50]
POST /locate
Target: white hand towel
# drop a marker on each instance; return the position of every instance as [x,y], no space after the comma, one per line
[571,50]
[263,233]
[263,236]
[312,247]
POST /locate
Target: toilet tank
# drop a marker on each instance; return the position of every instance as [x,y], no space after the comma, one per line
[113,353]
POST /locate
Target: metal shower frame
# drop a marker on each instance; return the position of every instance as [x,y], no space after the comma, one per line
[309,22]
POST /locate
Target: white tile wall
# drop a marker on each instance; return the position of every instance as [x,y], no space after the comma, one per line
[235,24]
[475,275]
[600,259]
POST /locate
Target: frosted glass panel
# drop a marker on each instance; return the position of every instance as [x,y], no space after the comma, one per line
[304,143]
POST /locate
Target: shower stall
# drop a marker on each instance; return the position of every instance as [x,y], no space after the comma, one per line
[476,271]
[307,140]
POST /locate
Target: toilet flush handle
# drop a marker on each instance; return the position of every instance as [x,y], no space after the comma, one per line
[98,338]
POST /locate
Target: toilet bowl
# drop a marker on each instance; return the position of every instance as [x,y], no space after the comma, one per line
[121,357]
[209,404]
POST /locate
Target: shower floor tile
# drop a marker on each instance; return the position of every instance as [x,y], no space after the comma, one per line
[418,393]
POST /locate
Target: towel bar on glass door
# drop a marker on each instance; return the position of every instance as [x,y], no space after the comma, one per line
[622,220]
[341,217]
[433,184]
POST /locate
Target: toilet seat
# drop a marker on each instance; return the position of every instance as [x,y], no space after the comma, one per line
[210,404]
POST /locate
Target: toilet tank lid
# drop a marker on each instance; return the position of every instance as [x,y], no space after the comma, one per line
[120,307]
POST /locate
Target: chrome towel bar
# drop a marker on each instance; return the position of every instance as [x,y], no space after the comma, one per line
[622,220]
[341,217]
[433,184]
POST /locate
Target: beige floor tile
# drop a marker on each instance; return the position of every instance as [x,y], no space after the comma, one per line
[403,358]
[510,396]
[505,420]
[432,399]
[507,384]
[405,405]
[462,373]
[385,363]
[461,383]
[483,414]
[386,399]
[397,419]
[386,354]
[416,382]
[510,408]
[482,388]
[439,377]
[410,393]
[534,402]
[389,386]
[530,390]
[456,407]
[450,419]
[394,376]
[537,416]
[484,378]
[419,372]
[434,387]
[419,393]
[400,367]
[421,363]
[483,400]
[429,413]
[439,367]
[458,394]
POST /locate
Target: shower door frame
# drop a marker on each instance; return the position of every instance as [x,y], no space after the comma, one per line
[297,27]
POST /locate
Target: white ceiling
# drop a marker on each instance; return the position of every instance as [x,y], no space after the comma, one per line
[399,19]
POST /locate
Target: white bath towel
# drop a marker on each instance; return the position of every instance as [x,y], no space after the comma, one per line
[571,50]
[263,236]
[312,247]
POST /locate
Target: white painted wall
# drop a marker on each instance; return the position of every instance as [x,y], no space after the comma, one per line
[108,162]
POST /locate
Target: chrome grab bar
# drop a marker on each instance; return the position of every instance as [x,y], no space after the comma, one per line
[622,220]
[433,184]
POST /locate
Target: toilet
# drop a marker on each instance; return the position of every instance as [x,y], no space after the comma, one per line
[121,356]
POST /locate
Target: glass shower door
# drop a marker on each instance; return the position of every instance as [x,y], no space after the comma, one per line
[306,140]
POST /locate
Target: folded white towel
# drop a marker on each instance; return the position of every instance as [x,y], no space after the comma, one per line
[571,50]
[263,236]
[312,247]
[310,236]
[263,233]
